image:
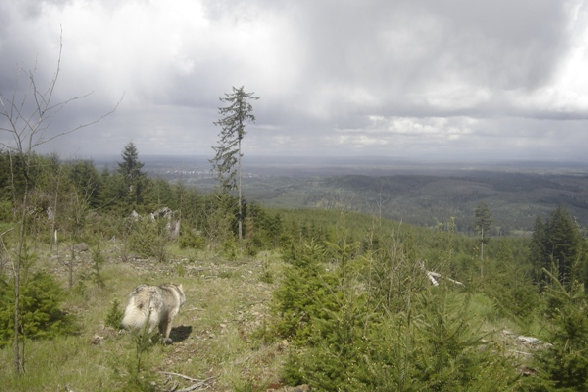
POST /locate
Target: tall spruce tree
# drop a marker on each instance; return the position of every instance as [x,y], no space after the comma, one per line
[227,160]
[130,170]
[556,245]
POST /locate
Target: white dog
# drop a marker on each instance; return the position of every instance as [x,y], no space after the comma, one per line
[155,305]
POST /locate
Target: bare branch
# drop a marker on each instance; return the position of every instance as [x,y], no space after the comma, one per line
[58,67]
[80,126]
[2,241]
[28,129]
[180,375]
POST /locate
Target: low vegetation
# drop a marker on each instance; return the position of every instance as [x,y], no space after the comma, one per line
[331,299]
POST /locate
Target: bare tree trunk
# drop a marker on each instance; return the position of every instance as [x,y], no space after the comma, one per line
[16,267]
[240,194]
[52,217]
[482,256]
[18,360]
[70,266]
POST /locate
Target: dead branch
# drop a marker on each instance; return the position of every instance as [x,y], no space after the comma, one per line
[2,241]
[435,276]
[198,384]
[180,375]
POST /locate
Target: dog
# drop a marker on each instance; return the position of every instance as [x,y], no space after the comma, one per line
[154,305]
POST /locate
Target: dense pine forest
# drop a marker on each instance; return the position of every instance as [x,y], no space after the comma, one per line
[318,299]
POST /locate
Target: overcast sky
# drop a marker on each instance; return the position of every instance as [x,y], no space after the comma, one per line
[425,79]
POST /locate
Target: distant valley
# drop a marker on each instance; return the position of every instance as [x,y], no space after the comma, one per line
[424,193]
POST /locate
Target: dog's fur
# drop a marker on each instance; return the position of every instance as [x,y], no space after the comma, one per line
[154,305]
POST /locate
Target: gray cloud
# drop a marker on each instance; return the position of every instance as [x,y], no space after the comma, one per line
[459,78]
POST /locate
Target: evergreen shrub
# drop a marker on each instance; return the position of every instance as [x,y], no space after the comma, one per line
[370,322]
[149,239]
[563,364]
[189,239]
[41,315]
[114,316]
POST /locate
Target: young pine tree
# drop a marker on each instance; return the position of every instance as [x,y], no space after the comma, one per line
[483,223]
[557,244]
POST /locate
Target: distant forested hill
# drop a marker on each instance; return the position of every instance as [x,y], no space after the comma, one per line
[419,193]
[515,199]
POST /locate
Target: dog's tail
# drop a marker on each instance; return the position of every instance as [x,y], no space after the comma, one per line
[136,314]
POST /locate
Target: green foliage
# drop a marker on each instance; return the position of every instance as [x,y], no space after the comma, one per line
[451,354]
[482,227]
[41,315]
[266,275]
[303,295]
[483,221]
[114,193]
[556,243]
[149,239]
[133,370]
[85,177]
[510,285]
[262,229]
[227,160]
[114,315]
[97,263]
[158,192]
[139,377]
[229,248]
[189,239]
[18,168]
[6,211]
[133,177]
[372,324]
[232,122]
[219,219]
[563,365]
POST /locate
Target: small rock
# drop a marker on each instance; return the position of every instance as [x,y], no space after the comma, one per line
[528,339]
[81,247]
[299,388]
[283,345]
[526,371]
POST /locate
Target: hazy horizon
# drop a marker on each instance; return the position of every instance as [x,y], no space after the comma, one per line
[298,166]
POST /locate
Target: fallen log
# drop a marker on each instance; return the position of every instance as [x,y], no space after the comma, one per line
[435,276]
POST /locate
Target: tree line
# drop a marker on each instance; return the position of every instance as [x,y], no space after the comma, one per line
[65,194]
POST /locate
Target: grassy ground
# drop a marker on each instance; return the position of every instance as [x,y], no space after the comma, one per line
[218,334]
